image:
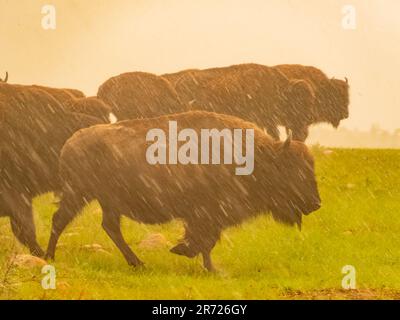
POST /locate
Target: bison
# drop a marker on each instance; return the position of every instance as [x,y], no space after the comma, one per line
[108,163]
[256,93]
[292,96]
[331,95]
[92,106]
[33,128]
[137,95]
[73,100]
[253,92]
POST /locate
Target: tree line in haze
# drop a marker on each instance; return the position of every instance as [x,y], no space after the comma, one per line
[353,138]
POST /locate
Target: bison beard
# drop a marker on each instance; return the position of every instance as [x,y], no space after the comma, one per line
[108,163]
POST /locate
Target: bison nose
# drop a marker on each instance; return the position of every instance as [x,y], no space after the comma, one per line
[313,207]
[317,205]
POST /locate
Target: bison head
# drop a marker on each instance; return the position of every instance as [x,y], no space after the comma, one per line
[301,99]
[334,101]
[5,79]
[93,107]
[295,191]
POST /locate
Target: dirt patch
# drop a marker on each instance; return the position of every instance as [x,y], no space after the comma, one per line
[341,294]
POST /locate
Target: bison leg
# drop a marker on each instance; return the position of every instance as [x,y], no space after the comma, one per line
[206,249]
[23,227]
[112,226]
[207,263]
[186,248]
[19,209]
[199,238]
[69,208]
[300,133]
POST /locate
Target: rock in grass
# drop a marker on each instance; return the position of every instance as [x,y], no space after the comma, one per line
[153,241]
[28,261]
[95,247]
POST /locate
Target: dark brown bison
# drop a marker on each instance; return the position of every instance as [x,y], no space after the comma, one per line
[94,107]
[109,163]
[285,95]
[33,128]
[332,95]
[73,100]
[62,95]
[138,95]
[253,92]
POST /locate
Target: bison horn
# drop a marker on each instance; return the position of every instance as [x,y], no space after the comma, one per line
[347,80]
[288,141]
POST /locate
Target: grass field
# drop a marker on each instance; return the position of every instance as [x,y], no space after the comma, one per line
[358,225]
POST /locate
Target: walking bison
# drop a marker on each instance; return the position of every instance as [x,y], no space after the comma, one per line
[92,106]
[253,92]
[109,163]
[292,96]
[33,128]
[331,95]
[138,95]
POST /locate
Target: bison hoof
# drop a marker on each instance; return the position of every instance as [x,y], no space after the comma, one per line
[49,256]
[211,269]
[183,250]
[136,264]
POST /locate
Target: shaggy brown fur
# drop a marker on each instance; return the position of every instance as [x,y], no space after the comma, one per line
[61,95]
[91,106]
[139,95]
[73,100]
[108,163]
[253,92]
[332,95]
[76,93]
[33,128]
[269,96]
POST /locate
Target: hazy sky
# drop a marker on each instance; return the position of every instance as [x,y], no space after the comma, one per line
[96,39]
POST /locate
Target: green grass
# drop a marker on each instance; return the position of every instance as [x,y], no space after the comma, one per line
[359,225]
